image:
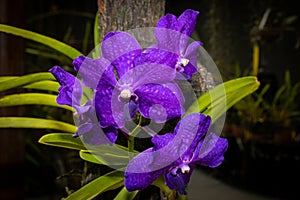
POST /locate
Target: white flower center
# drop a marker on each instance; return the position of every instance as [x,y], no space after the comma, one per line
[125,94]
[184,62]
[185,169]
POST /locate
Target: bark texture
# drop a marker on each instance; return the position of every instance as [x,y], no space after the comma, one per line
[128,14]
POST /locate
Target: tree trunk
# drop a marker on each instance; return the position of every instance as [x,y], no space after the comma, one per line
[128,14]
[124,15]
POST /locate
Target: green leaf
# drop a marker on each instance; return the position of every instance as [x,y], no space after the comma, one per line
[24,80]
[6,78]
[125,195]
[31,99]
[218,100]
[109,181]
[44,85]
[64,140]
[48,41]
[106,155]
[96,54]
[36,123]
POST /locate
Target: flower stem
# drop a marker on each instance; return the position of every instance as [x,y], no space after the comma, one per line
[132,134]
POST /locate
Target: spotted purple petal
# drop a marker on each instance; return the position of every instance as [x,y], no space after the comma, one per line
[107,80]
[187,22]
[90,70]
[211,152]
[191,52]
[158,102]
[193,127]
[120,48]
[160,141]
[139,175]
[146,74]
[159,56]
[103,108]
[70,91]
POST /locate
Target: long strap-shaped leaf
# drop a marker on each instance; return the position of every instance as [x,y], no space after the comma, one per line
[218,100]
[24,80]
[125,195]
[104,183]
[39,85]
[44,85]
[106,158]
[48,41]
[64,140]
[31,99]
[36,123]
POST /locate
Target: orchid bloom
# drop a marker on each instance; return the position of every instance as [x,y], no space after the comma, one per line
[70,93]
[175,154]
[173,47]
[146,87]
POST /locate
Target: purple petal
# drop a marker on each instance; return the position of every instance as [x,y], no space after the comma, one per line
[139,175]
[103,105]
[211,152]
[169,40]
[70,91]
[191,52]
[93,134]
[161,141]
[111,111]
[166,33]
[189,70]
[187,22]
[90,70]
[168,21]
[107,80]
[158,102]
[159,56]
[111,133]
[120,48]
[193,127]
[172,34]
[63,77]
[146,74]
[125,62]
[176,90]
[178,181]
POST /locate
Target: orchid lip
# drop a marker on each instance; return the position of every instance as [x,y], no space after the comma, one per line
[181,63]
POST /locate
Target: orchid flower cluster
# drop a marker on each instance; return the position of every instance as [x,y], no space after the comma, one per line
[129,81]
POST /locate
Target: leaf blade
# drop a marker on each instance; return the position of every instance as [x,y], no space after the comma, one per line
[31,99]
[48,41]
[124,194]
[231,91]
[24,80]
[64,140]
[109,181]
[36,123]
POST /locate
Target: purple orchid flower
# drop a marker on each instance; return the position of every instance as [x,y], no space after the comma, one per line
[145,87]
[173,47]
[175,154]
[70,93]
[70,90]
